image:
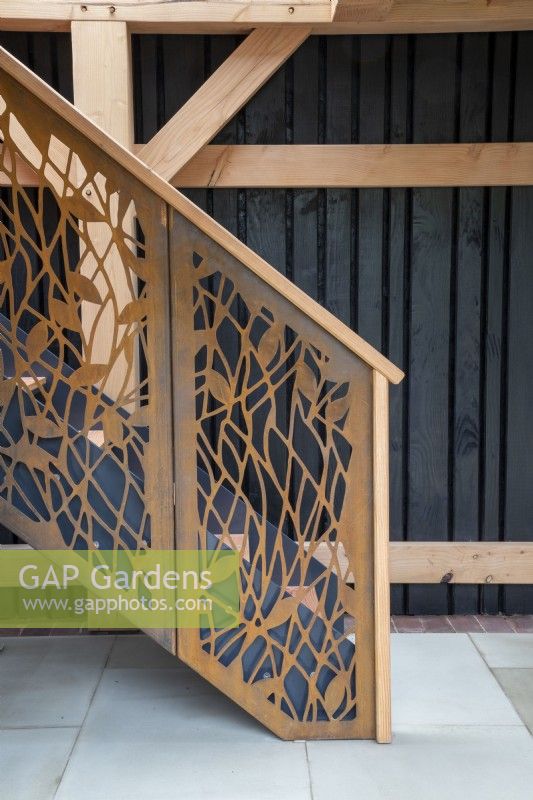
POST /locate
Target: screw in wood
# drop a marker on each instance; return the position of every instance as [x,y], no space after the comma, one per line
[291,9]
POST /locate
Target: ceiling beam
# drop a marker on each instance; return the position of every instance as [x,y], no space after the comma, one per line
[359,165]
[229,16]
[220,98]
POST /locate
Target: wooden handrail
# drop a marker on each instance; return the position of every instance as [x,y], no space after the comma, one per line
[209,226]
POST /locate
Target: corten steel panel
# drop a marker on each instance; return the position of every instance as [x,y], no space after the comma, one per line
[276,416]
[79,467]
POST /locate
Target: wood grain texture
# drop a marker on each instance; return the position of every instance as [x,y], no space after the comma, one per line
[360,165]
[404,16]
[219,234]
[351,166]
[380,418]
[220,97]
[190,16]
[462,562]
[103,91]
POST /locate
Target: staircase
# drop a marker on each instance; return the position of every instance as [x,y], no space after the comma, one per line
[164,387]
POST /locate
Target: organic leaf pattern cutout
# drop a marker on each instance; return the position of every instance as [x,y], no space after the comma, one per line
[69,457]
[274,455]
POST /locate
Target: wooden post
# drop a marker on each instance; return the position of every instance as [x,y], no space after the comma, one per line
[381,557]
[101,63]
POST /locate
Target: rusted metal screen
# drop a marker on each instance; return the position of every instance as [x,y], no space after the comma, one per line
[85,420]
[277,415]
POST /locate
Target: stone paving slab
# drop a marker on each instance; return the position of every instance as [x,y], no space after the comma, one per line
[505,650]
[49,681]
[151,728]
[437,762]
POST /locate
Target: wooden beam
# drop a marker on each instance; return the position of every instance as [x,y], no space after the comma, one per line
[366,165]
[220,97]
[437,16]
[348,165]
[358,165]
[189,16]
[362,9]
[199,16]
[101,63]
[461,562]
[380,425]
[451,562]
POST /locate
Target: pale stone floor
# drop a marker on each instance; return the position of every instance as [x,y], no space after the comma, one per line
[116,718]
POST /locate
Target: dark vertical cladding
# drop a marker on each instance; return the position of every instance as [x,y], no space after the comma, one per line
[518,509]
[439,279]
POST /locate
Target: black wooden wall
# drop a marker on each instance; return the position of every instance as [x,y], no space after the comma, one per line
[441,280]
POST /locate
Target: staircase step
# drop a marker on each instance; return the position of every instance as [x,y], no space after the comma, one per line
[33,383]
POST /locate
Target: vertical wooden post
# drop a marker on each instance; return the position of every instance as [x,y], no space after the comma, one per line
[101,63]
[381,557]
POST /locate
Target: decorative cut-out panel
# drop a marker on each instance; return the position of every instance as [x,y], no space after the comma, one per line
[83,303]
[282,440]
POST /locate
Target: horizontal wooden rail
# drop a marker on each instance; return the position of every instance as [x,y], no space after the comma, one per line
[227,16]
[461,562]
[452,562]
[365,165]
[162,16]
[335,166]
